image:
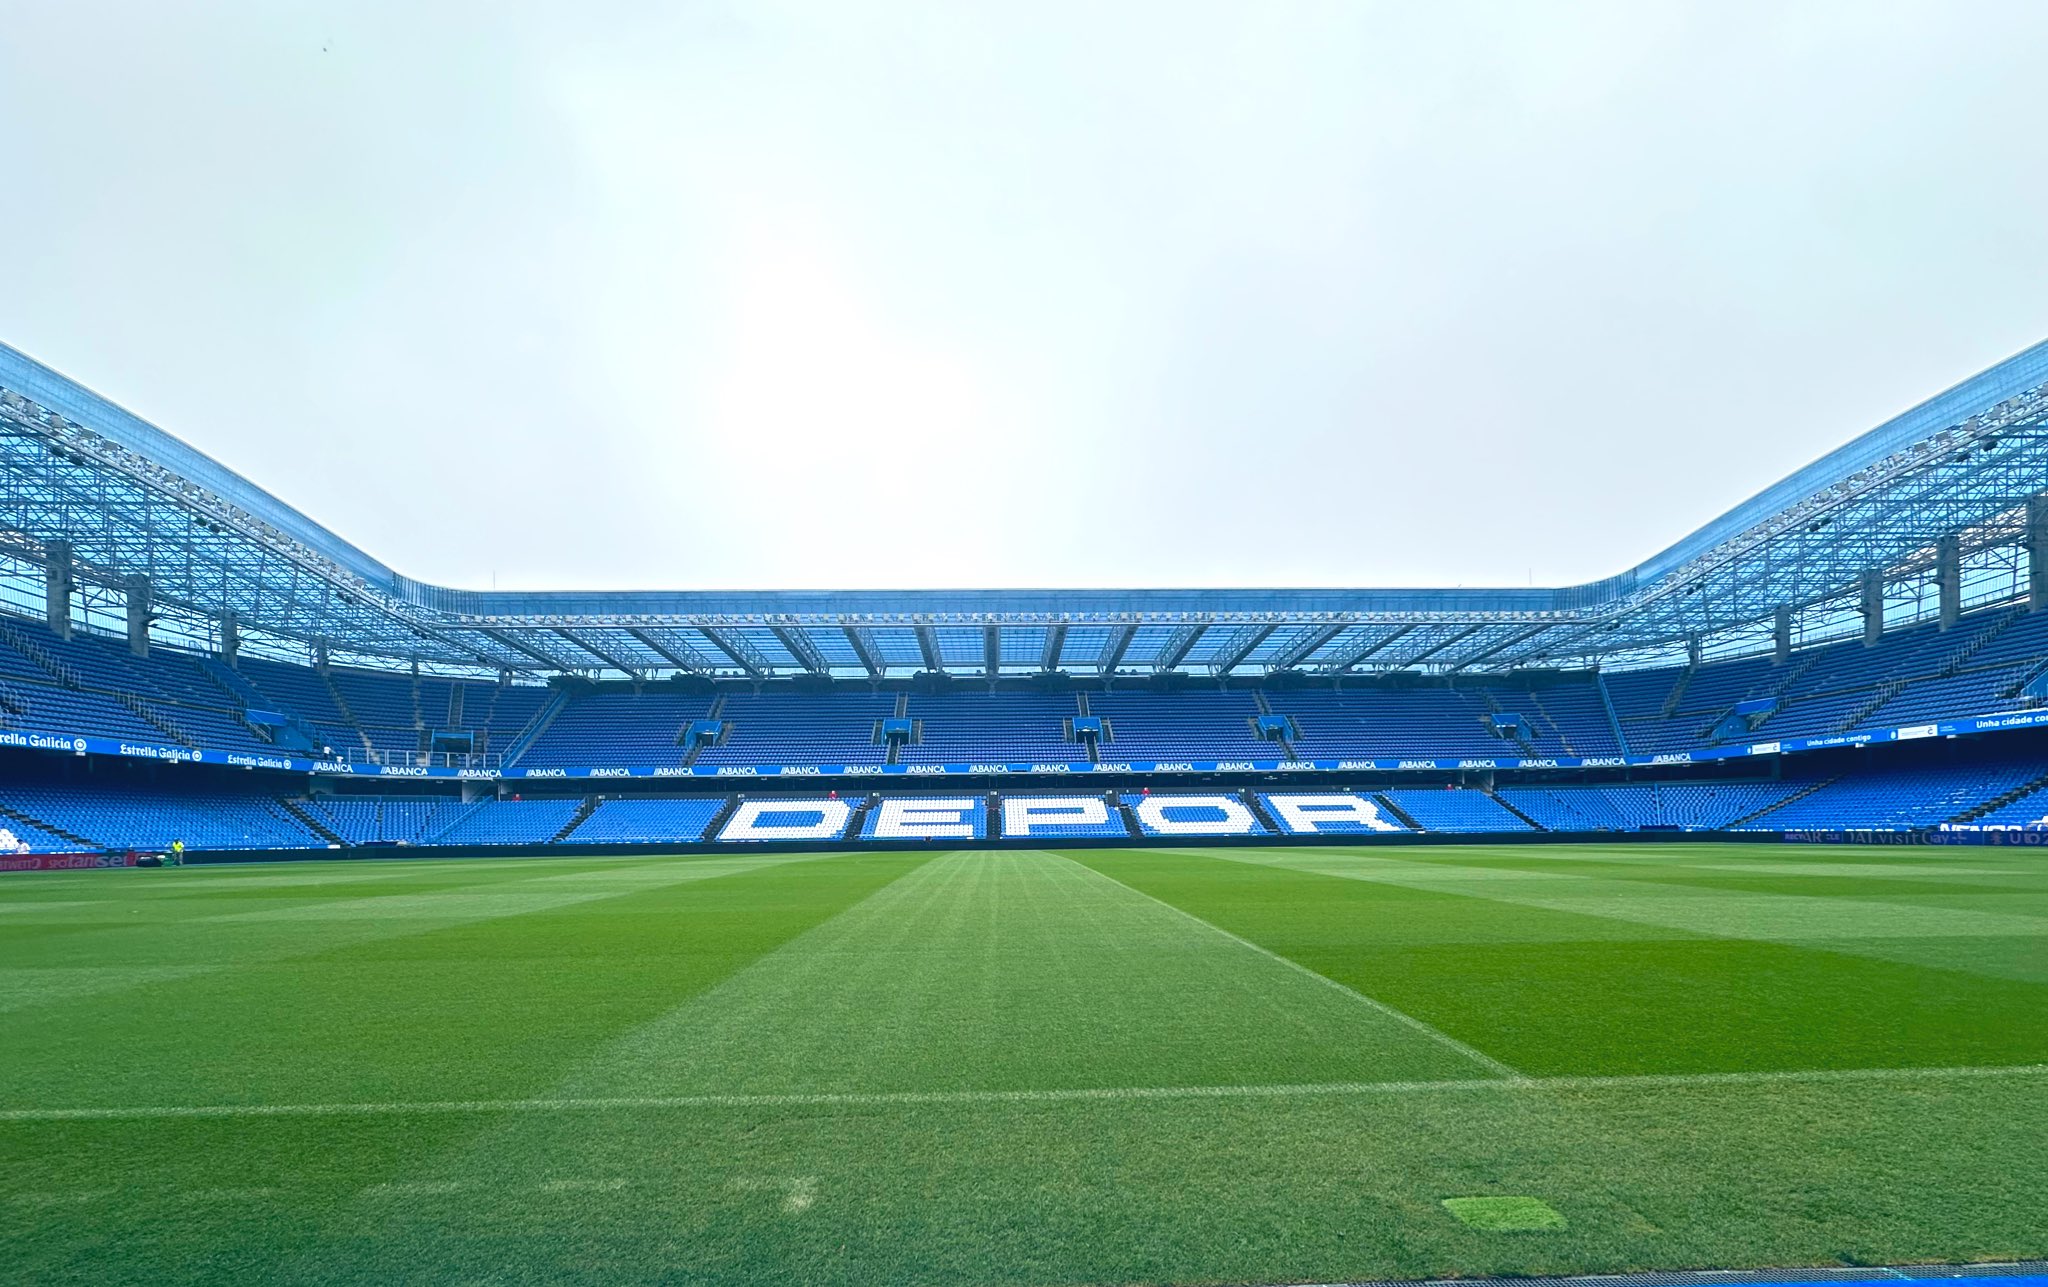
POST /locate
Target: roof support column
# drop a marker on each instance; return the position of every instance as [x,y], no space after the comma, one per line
[57,587]
[230,636]
[320,655]
[1781,636]
[2037,553]
[1692,651]
[1873,606]
[1948,578]
[137,592]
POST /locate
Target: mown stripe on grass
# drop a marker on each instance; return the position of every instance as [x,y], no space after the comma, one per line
[883,1099]
[1435,1034]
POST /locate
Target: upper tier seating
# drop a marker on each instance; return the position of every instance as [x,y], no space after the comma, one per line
[91,684]
[1193,724]
[958,727]
[646,727]
[801,728]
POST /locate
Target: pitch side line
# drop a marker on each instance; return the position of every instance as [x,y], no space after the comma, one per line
[884,1099]
[1435,1034]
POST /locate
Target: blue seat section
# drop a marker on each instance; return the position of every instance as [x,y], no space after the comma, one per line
[1192,815]
[955,728]
[676,821]
[1634,806]
[2029,810]
[303,692]
[1454,809]
[1194,724]
[1112,824]
[92,684]
[117,819]
[510,822]
[801,728]
[618,727]
[39,840]
[1391,721]
[372,821]
[95,685]
[384,708]
[908,822]
[1898,798]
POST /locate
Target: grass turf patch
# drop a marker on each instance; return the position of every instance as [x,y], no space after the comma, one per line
[1038,998]
[1505,1214]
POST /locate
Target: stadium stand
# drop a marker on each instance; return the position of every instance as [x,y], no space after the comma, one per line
[801,728]
[120,818]
[645,821]
[961,727]
[1219,813]
[1453,809]
[1195,724]
[1897,798]
[1639,806]
[1063,817]
[619,727]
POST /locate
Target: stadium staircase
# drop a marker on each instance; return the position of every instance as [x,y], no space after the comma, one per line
[1399,814]
[1984,638]
[1800,794]
[154,718]
[1678,691]
[582,814]
[526,737]
[1778,703]
[724,814]
[2032,678]
[1493,707]
[33,821]
[310,821]
[1497,799]
[855,819]
[697,744]
[1613,717]
[1556,729]
[17,639]
[490,718]
[1889,689]
[456,819]
[341,704]
[1125,812]
[1999,802]
[242,696]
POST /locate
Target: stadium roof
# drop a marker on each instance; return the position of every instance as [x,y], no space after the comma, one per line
[133,500]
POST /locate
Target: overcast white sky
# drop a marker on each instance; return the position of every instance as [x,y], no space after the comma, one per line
[781,295]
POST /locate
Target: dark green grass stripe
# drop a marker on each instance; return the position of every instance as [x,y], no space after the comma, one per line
[1556,993]
[497,1006]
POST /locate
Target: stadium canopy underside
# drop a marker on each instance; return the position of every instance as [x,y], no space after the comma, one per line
[1935,512]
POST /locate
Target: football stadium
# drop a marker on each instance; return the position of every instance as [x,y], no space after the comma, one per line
[473,812]
[1688,919]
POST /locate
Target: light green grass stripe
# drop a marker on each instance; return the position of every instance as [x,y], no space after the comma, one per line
[1434,1033]
[884,1099]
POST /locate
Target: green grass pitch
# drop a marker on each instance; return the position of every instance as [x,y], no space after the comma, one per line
[1107,1066]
